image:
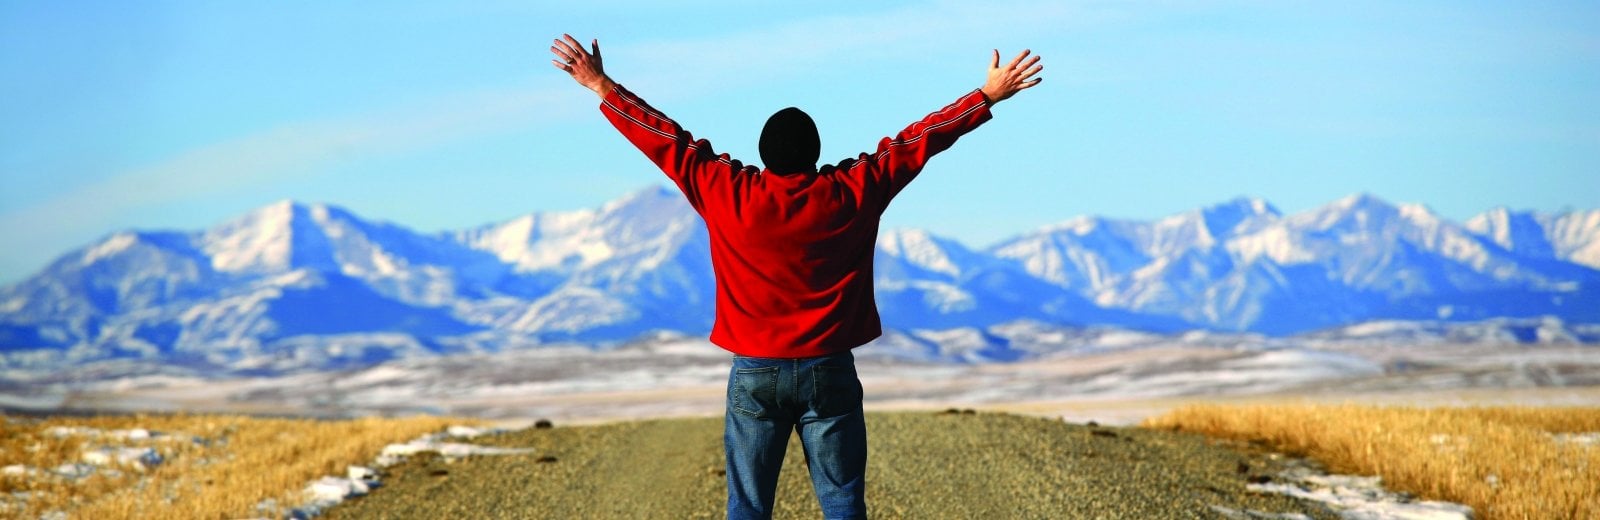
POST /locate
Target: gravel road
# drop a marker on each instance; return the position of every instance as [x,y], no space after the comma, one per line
[921,465]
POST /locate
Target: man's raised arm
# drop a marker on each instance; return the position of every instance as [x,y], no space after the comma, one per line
[898,159]
[691,164]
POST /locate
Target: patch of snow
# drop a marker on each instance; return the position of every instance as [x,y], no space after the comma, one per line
[329,491]
[945,298]
[360,473]
[394,453]
[19,470]
[572,309]
[1379,328]
[689,348]
[113,245]
[376,375]
[131,434]
[1588,439]
[1306,364]
[143,459]
[919,248]
[336,489]
[260,240]
[1251,514]
[1124,338]
[959,339]
[70,431]
[468,431]
[1277,243]
[75,470]
[1360,498]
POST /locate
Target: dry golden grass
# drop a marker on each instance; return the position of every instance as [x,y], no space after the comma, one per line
[238,462]
[1502,461]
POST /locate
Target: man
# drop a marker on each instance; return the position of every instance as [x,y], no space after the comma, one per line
[791,250]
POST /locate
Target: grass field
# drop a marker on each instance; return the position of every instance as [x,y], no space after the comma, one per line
[1506,462]
[214,466]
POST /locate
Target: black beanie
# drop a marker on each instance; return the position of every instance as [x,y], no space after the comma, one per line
[789,142]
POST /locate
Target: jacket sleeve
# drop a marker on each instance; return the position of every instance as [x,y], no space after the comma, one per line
[898,159]
[691,164]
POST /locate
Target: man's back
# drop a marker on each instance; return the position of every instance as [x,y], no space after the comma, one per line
[792,252]
[795,251]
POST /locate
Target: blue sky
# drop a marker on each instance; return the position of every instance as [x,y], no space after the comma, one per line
[445,115]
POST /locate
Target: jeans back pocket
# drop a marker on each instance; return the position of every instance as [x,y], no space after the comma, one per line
[837,390]
[754,391]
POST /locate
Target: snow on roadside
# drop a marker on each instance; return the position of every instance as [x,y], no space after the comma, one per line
[329,491]
[1251,514]
[103,458]
[142,459]
[319,494]
[131,434]
[1356,497]
[1587,439]
[101,455]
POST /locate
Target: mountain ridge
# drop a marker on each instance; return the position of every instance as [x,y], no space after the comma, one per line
[276,282]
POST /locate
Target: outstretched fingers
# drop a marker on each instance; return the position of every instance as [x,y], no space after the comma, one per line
[562,53]
[563,59]
[1018,75]
[570,52]
[1020,71]
[577,48]
[583,64]
[1018,59]
[1029,63]
[1030,72]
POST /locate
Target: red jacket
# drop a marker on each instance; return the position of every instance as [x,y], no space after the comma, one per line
[792,253]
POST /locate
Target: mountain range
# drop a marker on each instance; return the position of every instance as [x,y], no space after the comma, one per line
[293,284]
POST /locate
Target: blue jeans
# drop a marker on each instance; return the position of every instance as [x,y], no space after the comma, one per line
[820,398]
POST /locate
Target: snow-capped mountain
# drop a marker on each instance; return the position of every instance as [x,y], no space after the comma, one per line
[297,285]
[635,264]
[1243,266]
[1571,236]
[248,292]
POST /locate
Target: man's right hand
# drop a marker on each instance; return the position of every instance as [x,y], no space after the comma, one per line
[584,66]
[1006,81]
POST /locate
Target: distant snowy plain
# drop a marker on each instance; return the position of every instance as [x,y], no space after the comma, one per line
[1109,375]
